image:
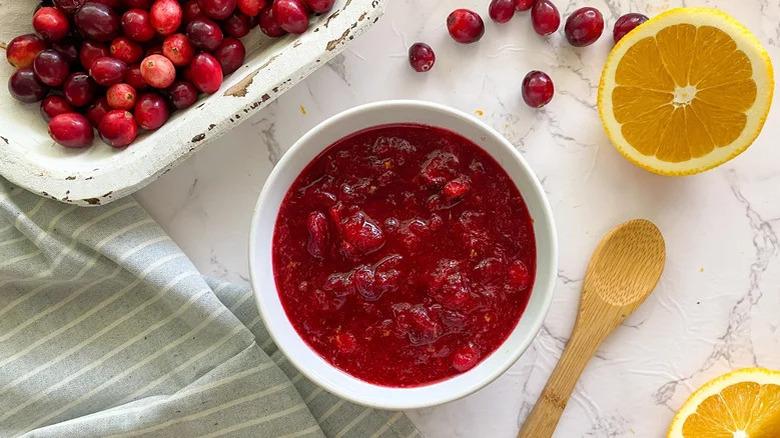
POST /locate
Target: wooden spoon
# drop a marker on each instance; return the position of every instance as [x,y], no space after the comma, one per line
[622,272]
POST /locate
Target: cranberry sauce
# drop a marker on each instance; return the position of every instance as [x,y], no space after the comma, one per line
[404,255]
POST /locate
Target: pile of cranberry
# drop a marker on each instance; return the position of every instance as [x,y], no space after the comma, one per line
[117,65]
[583,27]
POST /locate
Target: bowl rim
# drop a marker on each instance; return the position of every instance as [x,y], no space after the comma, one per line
[546,292]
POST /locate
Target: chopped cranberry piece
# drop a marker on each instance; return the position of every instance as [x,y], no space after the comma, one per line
[21,51]
[417,323]
[319,235]
[339,284]
[291,15]
[465,26]
[360,235]
[626,24]
[545,17]
[519,276]
[51,23]
[53,106]
[71,130]
[166,16]
[346,342]
[440,168]
[465,358]
[456,189]
[448,285]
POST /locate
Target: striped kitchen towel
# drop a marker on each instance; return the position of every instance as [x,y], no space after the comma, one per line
[108,330]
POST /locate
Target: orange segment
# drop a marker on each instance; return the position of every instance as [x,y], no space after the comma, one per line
[642,67]
[676,47]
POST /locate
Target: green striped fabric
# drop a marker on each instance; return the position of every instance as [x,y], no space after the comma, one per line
[108,330]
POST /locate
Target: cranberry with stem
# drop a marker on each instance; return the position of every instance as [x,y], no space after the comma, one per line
[121,96]
[421,57]
[584,26]
[97,110]
[545,17]
[217,9]
[523,5]
[182,94]
[108,71]
[137,25]
[230,55]
[291,15]
[51,24]
[204,34]
[537,89]
[158,71]
[90,51]
[79,89]
[178,49]
[118,128]
[126,50]
[51,67]
[24,86]
[252,7]
[320,6]
[205,73]
[98,22]
[269,25]
[151,111]
[465,26]
[166,16]
[626,23]
[21,51]
[501,11]
[54,105]
[71,130]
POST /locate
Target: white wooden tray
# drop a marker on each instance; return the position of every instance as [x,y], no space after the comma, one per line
[100,174]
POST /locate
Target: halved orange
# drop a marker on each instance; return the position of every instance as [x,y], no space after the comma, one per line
[686,91]
[741,404]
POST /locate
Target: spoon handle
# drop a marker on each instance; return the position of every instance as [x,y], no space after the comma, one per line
[543,419]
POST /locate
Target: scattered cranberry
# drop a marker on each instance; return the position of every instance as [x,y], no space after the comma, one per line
[121,96]
[501,11]
[138,4]
[68,48]
[465,26]
[465,358]
[191,11]
[182,94]
[584,27]
[25,87]
[126,50]
[21,51]
[69,6]
[206,74]
[79,89]
[90,51]
[166,16]
[218,9]
[626,24]
[523,5]
[51,67]
[237,25]
[230,54]
[158,71]
[291,15]
[71,130]
[137,25]
[320,6]
[545,17]
[118,128]
[108,71]
[251,7]
[134,78]
[421,57]
[54,105]
[178,49]
[537,89]
[269,25]
[51,23]
[97,110]
[151,111]
[204,34]
[98,22]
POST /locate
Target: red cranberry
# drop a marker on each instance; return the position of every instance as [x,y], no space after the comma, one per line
[251,7]
[90,51]
[154,50]
[465,26]
[113,4]
[230,54]
[137,24]
[584,27]
[537,89]
[108,71]
[151,111]
[51,24]
[204,34]
[79,89]
[205,73]
[69,6]
[191,11]
[71,130]
[126,50]
[269,25]
[97,110]
[182,94]
[545,17]
[320,6]
[626,24]
[421,57]
[21,51]
[166,16]
[237,25]
[121,96]
[138,4]
[465,358]
[501,11]
[158,71]
[291,15]
[218,9]
[118,128]
[51,67]
[134,78]
[178,49]
[523,5]
[98,22]
[54,105]
[68,48]
[25,87]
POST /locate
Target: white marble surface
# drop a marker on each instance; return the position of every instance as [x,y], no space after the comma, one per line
[716,308]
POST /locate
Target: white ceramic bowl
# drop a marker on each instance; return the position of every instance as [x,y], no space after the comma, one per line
[261,238]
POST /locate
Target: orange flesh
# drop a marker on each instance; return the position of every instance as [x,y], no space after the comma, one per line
[747,406]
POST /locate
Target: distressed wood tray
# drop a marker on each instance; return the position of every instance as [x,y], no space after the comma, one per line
[100,174]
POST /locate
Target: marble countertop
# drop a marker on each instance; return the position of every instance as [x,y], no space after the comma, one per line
[716,307]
